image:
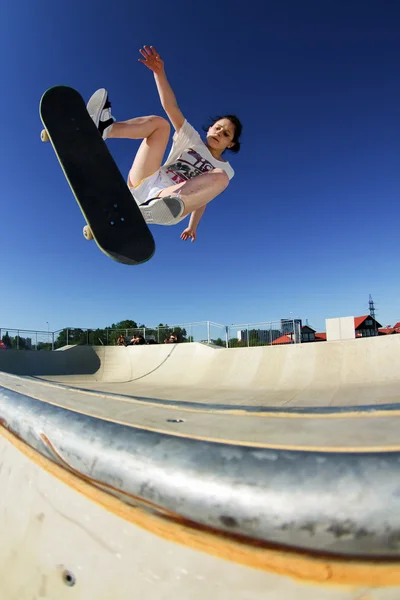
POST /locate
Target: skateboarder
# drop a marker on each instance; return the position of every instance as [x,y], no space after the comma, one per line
[194,172]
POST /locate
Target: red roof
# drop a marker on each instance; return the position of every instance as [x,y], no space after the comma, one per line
[320,336]
[389,330]
[359,320]
[284,339]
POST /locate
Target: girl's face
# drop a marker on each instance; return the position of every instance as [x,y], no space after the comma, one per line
[220,135]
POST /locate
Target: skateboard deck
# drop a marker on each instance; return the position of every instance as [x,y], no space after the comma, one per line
[101,192]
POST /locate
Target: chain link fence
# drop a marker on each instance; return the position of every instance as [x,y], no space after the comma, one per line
[26,339]
[269,333]
[285,331]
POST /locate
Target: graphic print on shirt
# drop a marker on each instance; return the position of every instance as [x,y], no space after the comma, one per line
[189,164]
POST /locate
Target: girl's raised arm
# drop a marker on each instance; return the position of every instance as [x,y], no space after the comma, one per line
[152,60]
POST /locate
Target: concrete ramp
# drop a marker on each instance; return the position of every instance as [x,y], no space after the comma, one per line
[249,473]
[337,374]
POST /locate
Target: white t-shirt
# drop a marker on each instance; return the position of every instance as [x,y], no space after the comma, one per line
[189,157]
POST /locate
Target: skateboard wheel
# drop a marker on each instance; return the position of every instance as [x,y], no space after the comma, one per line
[87,233]
[44,136]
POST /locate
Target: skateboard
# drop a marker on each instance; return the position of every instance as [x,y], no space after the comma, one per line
[113,218]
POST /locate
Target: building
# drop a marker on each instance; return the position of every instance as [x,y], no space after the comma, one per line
[388,330]
[366,326]
[292,329]
[290,325]
[308,334]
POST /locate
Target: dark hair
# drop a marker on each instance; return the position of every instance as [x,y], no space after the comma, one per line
[238,130]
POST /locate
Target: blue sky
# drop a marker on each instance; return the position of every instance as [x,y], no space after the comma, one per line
[309,224]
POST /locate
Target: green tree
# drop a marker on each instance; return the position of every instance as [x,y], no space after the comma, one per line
[7,340]
[97,337]
[110,334]
[77,337]
[127,324]
[44,346]
[127,327]
[235,343]
[254,337]
[181,333]
[21,342]
[164,331]
[17,342]
[61,339]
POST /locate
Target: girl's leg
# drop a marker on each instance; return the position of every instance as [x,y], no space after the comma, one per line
[155,134]
[200,190]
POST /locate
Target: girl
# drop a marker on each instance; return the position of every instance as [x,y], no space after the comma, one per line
[194,172]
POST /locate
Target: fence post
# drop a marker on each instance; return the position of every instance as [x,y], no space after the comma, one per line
[298,333]
[226,336]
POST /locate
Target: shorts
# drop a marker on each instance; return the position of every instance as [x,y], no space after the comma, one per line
[150,188]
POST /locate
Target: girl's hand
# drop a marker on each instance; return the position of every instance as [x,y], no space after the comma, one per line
[188,233]
[152,59]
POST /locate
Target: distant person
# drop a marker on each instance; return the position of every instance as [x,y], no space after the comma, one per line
[133,341]
[121,341]
[140,340]
[194,173]
[137,340]
[172,339]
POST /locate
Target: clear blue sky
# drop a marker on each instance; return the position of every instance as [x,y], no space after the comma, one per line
[309,224]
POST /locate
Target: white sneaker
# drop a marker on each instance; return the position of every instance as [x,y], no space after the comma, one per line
[162,211]
[99,108]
